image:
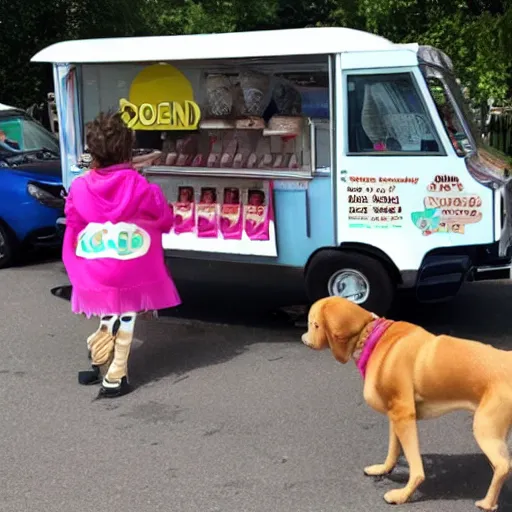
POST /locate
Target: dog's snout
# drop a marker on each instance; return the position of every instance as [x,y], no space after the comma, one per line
[305,339]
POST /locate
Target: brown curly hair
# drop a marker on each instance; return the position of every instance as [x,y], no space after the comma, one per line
[109,140]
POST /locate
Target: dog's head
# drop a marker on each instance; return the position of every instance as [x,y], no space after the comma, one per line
[336,323]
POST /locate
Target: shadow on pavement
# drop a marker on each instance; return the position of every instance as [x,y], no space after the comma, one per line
[451,477]
[227,305]
[172,350]
[214,326]
[40,256]
[208,329]
[481,310]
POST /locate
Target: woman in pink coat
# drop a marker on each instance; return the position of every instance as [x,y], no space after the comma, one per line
[113,251]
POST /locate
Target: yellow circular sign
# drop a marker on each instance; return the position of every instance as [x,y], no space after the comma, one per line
[161,98]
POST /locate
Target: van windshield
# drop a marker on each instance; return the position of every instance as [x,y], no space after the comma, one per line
[453,110]
[485,162]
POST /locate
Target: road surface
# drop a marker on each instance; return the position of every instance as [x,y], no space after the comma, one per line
[231,413]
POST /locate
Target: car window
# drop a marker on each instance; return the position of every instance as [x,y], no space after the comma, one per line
[25,134]
[386,115]
[11,132]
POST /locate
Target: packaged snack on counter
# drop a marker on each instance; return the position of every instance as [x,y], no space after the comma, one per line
[257,216]
[245,143]
[171,158]
[265,161]
[226,160]
[278,161]
[183,160]
[199,161]
[213,160]
[214,154]
[186,149]
[184,218]
[293,162]
[252,161]
[239,161]
[207,214]
[231,218]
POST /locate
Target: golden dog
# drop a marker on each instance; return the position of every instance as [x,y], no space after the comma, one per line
[410,374]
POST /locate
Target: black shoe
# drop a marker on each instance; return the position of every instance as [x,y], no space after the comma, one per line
[90,377]
[114,391]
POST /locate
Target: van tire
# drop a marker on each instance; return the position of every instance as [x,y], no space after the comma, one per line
[330,266]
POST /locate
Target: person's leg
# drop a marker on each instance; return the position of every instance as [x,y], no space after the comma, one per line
[101,349]
[115,382]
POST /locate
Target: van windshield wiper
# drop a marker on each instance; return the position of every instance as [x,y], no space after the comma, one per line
[52,151]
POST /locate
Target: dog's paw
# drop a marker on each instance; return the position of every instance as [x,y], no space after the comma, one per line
[396,497]
[484,505]
[377,470]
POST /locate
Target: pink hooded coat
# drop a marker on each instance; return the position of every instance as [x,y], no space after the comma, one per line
[103,281]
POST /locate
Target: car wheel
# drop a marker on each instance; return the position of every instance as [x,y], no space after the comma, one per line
[6,247]
[354,276]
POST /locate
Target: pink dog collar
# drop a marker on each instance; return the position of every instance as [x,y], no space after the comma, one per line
[380,326]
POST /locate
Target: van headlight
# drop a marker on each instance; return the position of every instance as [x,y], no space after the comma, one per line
[44,197]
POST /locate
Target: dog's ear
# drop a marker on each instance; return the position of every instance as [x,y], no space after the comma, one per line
[337,343]
[344,324]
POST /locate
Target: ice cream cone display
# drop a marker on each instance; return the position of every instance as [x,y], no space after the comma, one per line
[219,93]
[257,93]
[242,113]
[218,111]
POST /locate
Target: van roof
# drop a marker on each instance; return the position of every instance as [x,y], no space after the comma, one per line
[304,41]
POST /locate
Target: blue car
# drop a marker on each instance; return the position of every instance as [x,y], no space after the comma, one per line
[30,185]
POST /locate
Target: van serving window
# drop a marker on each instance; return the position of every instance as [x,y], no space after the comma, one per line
[386,115]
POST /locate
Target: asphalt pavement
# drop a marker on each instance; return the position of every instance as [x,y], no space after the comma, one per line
[231,413]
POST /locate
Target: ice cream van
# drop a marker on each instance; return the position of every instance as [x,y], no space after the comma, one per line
[328,159]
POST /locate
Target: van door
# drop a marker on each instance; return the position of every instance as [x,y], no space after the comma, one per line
[402,186]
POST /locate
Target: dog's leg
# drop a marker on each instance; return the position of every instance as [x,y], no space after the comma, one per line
[391,459]
[491,426]
[403,418]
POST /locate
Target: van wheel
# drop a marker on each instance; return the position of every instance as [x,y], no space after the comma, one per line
[7,247]
[353,276]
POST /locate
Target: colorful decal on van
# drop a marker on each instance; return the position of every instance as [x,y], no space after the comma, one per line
[120,241]
[448,209]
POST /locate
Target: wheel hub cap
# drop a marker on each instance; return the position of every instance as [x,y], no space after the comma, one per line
[349,284]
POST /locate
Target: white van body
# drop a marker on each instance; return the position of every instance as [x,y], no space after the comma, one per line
[395,191]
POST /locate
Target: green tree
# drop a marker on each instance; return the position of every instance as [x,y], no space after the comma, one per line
[24,29]
[467,31]
[477,34]
[210,16]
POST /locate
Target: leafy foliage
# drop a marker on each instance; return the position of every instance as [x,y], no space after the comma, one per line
[477,34]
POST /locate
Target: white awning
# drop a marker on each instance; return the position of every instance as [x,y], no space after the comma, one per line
[272,43]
